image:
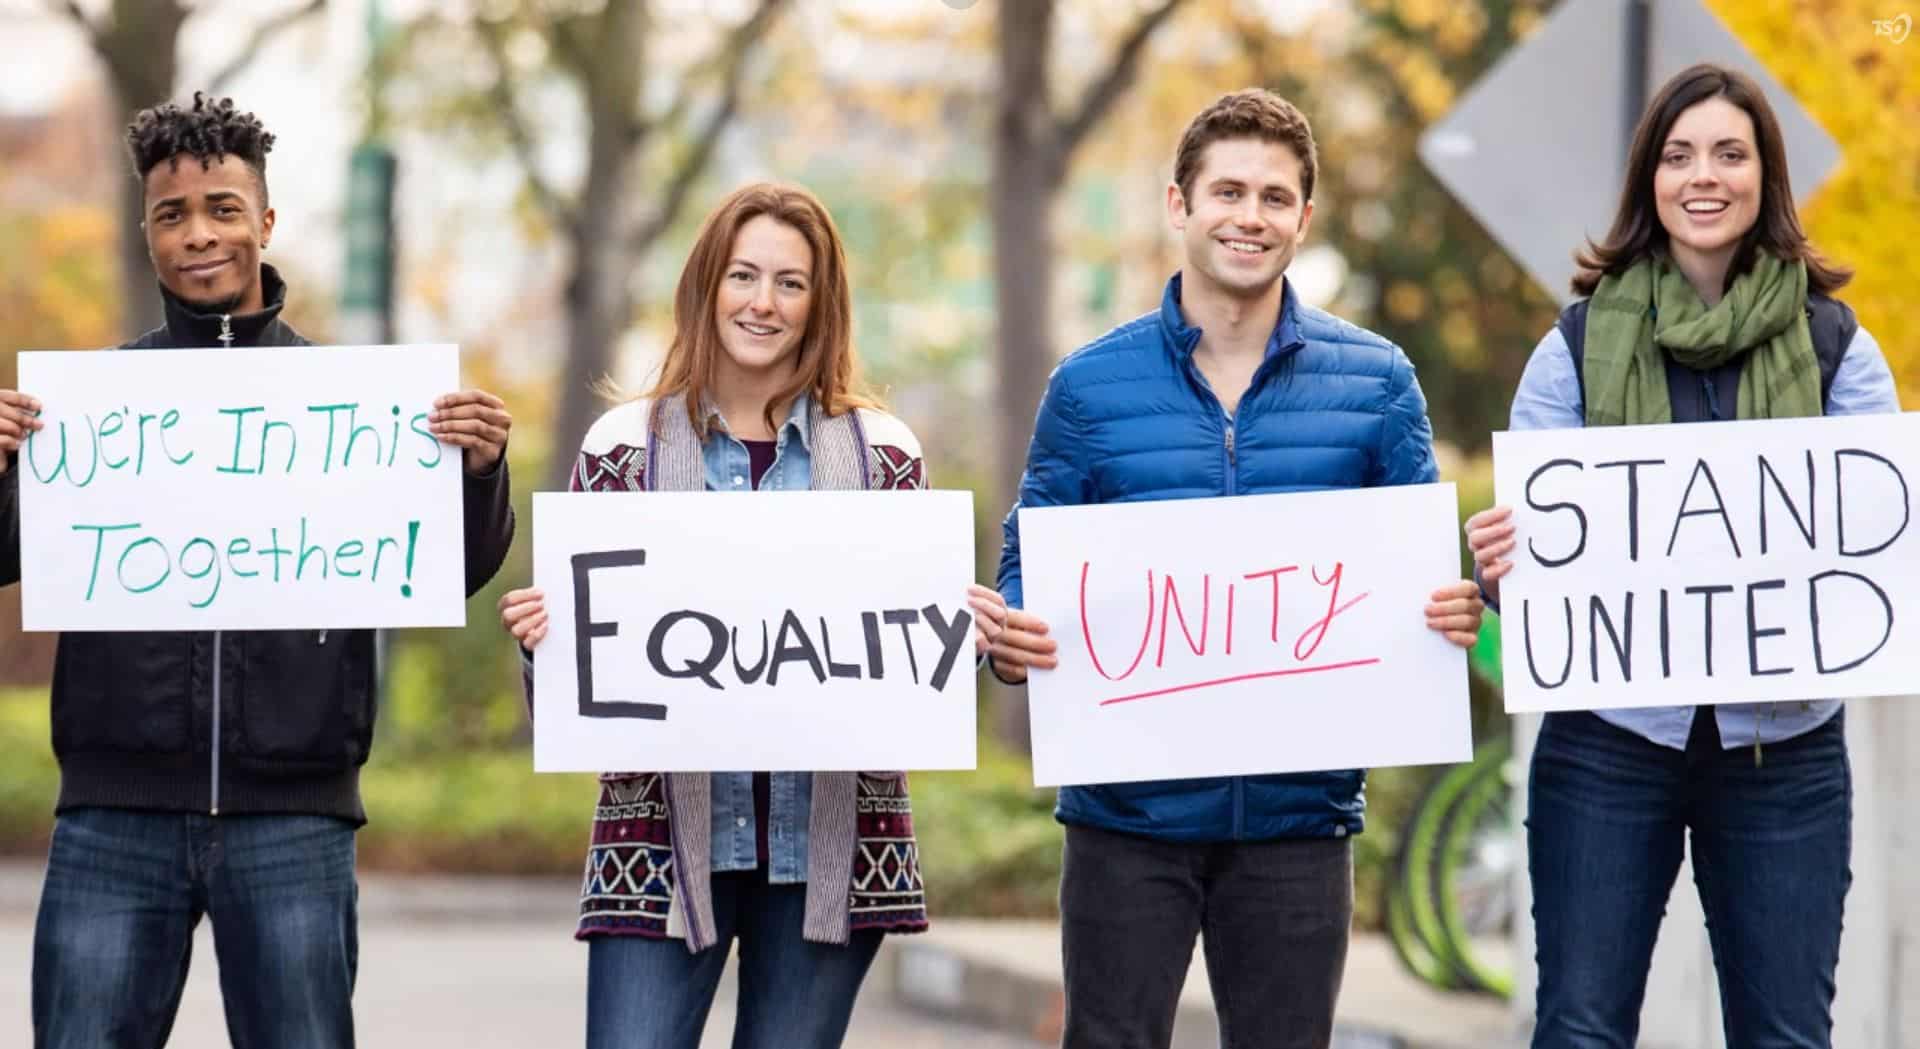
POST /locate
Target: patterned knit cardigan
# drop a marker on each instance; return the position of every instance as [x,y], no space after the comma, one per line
[648,865]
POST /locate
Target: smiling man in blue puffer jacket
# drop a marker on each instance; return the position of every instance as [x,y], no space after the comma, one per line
[1233,387]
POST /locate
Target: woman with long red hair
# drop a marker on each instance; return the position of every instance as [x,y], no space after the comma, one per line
[759,391]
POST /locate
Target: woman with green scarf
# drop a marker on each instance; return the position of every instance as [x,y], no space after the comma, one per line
[1704,302]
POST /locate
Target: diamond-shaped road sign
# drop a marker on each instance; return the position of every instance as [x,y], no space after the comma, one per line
[1536,149]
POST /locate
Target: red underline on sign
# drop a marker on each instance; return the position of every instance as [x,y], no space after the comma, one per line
[1241,677]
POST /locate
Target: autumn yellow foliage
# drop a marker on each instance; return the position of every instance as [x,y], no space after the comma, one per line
[1864,88]
[57,286]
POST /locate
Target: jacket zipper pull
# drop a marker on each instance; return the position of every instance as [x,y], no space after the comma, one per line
[323,637]
[226,331]
[1230,457]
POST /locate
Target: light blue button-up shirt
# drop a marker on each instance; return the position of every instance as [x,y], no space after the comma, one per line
[1549,399]
[730,469]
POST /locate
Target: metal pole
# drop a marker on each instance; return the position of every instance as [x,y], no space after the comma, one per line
[1639,57]
[367,293]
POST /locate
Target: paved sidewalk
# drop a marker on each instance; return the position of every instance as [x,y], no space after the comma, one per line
[484,962]
[453,963]
[1006,975]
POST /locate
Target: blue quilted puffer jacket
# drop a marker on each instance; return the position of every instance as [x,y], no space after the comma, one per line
[1129,418]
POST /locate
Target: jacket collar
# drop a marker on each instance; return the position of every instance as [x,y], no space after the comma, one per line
[1184,337]
[799,419]
[188,327]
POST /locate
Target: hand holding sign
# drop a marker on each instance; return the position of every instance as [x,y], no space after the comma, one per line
[1454,612]
[1490,535]
[476,422]
[524,614]
[1023,645]
[18,418]
[989,616]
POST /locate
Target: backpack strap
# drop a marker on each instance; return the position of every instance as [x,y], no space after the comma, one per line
[1573,328]
[1833,326]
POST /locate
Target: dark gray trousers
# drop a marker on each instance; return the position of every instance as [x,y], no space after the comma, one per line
[1273,917]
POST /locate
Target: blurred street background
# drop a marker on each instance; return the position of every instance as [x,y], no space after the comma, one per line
[523,178]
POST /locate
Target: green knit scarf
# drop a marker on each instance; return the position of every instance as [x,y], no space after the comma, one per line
[1649,308]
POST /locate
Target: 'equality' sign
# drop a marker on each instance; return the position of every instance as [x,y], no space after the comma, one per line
[1270,633]
[1710,563]
[706,631]
[260,489]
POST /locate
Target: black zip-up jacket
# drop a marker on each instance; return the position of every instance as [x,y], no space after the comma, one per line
[136,716]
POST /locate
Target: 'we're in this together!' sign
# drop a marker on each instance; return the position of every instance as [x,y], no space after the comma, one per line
[240,489]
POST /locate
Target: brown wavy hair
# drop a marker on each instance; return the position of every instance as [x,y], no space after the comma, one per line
[827,369]
[1637,232]
[1253,112]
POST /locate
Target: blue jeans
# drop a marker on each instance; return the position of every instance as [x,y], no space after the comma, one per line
[1607,817]
[124,891]
[654,994]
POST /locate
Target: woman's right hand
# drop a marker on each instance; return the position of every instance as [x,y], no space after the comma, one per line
[1490,537]
[524,614]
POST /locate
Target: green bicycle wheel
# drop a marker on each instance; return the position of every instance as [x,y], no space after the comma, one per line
[1473,871]
[1413,924]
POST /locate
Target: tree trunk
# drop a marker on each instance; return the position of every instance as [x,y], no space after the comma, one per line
[1026,173]
[603,255]
[139,48]
[598,310]
[599,291]
[1027,168]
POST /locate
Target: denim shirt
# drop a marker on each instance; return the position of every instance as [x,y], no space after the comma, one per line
[729,469]
[1549,399]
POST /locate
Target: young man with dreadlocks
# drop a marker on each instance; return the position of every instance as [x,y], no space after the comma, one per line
[210,773]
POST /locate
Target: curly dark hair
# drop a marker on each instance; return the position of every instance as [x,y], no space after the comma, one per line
[212,128]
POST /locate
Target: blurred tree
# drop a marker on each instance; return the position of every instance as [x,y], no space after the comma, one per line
[1034,144]
[1033,148]
[53,301]
[627,150]
[137,43]
[1422,271]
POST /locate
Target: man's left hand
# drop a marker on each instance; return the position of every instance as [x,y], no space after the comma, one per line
[1455,610]
[476,422]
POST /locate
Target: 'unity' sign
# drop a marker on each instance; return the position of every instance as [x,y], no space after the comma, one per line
[240,489]
[1267,633]
[1732,562]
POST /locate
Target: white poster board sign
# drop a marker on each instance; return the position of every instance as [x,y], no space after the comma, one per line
[722,631]
[1271,633]
[1710,562]
[256,489]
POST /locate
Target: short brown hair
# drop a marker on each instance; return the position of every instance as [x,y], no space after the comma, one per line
[1253,112]
[826,369]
